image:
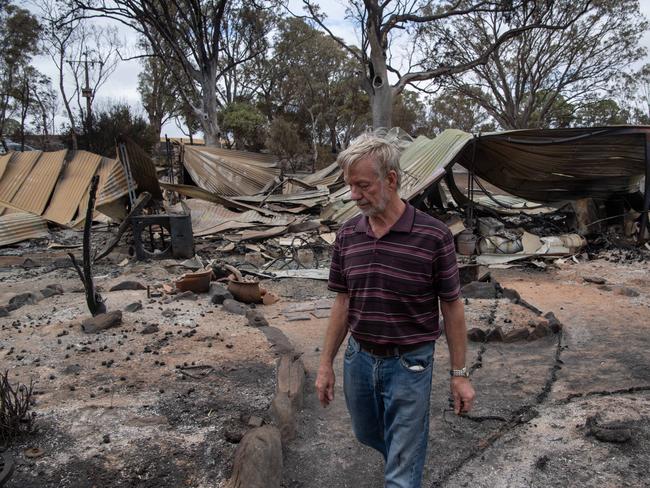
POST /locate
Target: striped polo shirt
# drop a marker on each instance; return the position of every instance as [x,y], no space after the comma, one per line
[394,282]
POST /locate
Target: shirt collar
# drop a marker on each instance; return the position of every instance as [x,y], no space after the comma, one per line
[403,224]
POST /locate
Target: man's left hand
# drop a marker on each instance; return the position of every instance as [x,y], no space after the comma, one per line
[463,394]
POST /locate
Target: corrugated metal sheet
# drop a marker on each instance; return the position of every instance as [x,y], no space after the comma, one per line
[143,170]
[423,163]
[230,173]
[211,218]
[115,186]
[37,187]
[4,160]
[71,187]
[18,167]
[103,171]
[18,227]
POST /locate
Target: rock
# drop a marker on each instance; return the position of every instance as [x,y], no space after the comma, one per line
[608,432]
[255,421]
[479,289]
[133,307]
[475,334]
[22,299]
[512,295]
[219,293]
[515,335]
[101,322]
[494,335]
[256,318]
[149,329]
[128,285]
[284,416]
[186,295]
[169,313]
[233,306]
[627,292]
[4,311]
[541,330]
[51,290]
[605,288]
[258,460]
[554,324]
[291,379]
[596,280]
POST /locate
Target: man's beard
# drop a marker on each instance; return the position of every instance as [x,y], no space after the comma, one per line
[373,210]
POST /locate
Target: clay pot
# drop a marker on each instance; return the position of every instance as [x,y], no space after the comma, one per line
[245,291]
[198,282]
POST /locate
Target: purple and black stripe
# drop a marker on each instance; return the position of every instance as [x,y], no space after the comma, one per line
[394,282]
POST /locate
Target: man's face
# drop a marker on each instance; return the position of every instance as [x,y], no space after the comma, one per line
[370,192]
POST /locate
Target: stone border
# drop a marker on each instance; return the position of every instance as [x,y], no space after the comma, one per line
[258,458]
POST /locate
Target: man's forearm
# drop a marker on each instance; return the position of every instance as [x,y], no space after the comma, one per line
[455,331]
[337,328]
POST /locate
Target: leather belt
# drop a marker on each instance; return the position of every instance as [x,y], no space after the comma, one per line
[388,350]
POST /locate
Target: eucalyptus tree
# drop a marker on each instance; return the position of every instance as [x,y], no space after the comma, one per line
[391,55]
[532,79]
[19,40]
[194,33]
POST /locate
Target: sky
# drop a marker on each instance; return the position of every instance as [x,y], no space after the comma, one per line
[122,85]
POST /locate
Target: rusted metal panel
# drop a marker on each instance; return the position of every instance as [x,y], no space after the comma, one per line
[36,189]
[229,173]
[71,187]
[19,166]
[16,227]
[103,171]
[143,170]
[115,186]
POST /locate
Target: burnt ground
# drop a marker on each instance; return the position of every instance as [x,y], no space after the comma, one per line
[170,415]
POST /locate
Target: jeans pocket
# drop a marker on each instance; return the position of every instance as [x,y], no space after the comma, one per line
[352,349]
[417,361]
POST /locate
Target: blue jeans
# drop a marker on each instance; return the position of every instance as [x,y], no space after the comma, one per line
[388,401]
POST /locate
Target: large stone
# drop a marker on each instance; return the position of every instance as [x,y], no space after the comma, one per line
[22,299]
[233,306]
[284,415]
[476,334]
[291,379]
[541,329]
[256,318]
[516,335]
[133,307]
[4,311]
[627,292]
[553,322]
[102,322]
[478,289]
[494,335]
[258,460]
[149,329]
[51,290]
[128,285]
[597,280]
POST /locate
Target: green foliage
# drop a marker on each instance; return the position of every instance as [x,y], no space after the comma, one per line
[600,113]
[113,122]
[244,126]
[453,110]
[409,113]
[284,140]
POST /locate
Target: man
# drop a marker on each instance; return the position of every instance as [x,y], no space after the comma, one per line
[391,266]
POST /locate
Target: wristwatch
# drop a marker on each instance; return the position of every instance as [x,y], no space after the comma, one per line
[459,372]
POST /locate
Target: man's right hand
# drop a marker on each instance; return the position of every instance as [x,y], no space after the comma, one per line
[325,384]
